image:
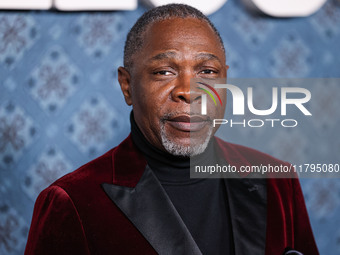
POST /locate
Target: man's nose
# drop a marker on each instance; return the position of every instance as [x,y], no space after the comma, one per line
[181,90]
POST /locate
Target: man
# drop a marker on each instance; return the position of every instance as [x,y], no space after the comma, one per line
[138,198]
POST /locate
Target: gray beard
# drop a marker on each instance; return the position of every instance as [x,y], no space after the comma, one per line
[185,151]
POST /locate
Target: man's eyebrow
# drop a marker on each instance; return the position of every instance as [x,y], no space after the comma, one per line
[207,56]
[172,55]
[164,55]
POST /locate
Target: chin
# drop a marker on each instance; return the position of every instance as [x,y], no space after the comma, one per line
[191,145]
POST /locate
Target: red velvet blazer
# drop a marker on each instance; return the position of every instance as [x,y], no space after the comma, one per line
[115,205]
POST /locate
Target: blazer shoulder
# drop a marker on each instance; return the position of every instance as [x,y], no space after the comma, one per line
[96,171]
[56,227]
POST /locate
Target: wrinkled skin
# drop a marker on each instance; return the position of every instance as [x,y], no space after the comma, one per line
[158,84]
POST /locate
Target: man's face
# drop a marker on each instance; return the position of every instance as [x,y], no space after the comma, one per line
[158,86]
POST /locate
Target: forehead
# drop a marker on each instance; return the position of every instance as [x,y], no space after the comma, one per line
[182,34]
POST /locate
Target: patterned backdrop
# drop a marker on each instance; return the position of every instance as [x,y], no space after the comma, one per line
[60,103]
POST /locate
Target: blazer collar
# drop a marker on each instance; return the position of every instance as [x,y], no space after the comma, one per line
[247,203]
[140,196]
[149,208]
[138,193]
[248,210]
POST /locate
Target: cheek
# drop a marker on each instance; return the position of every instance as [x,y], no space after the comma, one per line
[217,111]
[155,99]
[148,103]
[142,96]
[224,103]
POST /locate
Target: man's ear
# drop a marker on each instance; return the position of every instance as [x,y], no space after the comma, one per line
[125,85]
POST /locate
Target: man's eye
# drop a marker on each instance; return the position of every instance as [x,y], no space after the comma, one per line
[163,72]
[208,71]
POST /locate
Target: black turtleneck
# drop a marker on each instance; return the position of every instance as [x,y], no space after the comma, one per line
[201,203]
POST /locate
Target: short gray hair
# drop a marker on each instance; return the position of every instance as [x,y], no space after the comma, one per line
[135,37]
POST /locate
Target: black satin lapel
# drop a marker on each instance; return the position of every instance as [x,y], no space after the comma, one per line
[248,210]
[149,208]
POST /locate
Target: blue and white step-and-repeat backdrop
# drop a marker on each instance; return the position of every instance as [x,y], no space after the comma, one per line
[61,106]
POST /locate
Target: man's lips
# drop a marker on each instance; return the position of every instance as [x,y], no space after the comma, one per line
[188,123]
